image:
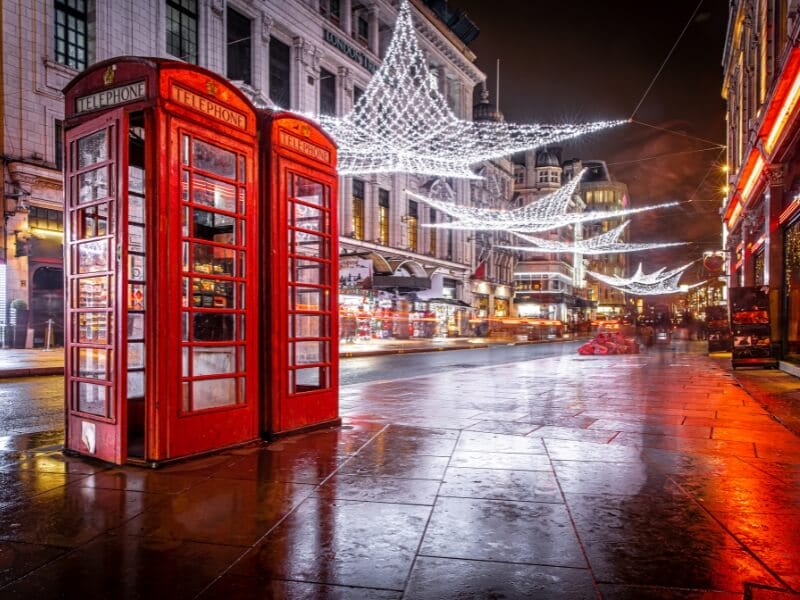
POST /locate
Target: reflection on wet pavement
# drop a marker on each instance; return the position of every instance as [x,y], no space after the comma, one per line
[649,476]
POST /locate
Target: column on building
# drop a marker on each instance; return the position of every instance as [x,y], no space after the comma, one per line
[346,16]
[263,25]
[344,91]
[397,211]
[212,32]
[345,205]
[374,32]
[305,76]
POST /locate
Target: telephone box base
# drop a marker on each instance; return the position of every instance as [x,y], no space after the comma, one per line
[269,436]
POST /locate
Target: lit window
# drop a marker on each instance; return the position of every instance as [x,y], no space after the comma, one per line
[411,225]
[358,209]
[45,218]
[383,217]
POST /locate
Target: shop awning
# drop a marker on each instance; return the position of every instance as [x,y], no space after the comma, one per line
[450,301]
[403,284]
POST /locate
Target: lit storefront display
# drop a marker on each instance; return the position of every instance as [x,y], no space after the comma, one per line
[792,282]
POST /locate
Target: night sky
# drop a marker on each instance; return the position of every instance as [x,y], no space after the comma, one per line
[582,61]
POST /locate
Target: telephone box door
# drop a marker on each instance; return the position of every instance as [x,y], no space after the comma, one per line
[212,197]
[95,157]
[307,381]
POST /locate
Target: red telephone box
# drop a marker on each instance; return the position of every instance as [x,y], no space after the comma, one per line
[161,265]
[301,264]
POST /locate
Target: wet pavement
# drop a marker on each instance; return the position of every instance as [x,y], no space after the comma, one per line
[644,476]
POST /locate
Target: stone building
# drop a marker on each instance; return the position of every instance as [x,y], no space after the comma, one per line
[313,56]
[761,220]
[546,285]
[600,192]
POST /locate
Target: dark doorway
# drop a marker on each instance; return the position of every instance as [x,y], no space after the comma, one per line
[47,305]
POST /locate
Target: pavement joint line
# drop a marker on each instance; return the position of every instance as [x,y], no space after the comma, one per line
[572,520]
[417,552]
[743,546]
[280,521]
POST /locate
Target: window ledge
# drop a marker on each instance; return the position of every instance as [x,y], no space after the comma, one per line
[57,66]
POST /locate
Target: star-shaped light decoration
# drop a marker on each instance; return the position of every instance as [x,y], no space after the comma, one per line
[403,124]
[543,214]
[605,243]
[660,282]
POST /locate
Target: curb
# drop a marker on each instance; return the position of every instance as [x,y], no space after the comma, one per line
[409,351]
[30,372]
[445,348]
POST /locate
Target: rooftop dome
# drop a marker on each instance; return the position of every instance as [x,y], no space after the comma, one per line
[484,111]
[546,158]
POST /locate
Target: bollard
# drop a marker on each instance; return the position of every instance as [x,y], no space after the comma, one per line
[48,336]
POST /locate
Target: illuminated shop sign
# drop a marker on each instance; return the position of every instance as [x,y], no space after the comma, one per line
[208,107]
[345,48]
[111,97]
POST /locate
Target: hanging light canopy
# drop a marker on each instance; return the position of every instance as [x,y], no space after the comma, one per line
[660,282]
[543,214]
[402,122]
[605,243]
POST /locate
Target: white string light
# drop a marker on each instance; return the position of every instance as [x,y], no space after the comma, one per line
[543,214]
[660,282]
[605,243]
[402,122]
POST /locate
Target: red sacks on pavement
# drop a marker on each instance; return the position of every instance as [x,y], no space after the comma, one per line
[609,344]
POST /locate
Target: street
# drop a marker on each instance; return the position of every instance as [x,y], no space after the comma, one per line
[35,404]
[643,476]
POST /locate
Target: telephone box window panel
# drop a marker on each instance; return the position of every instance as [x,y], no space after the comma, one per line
[213,181]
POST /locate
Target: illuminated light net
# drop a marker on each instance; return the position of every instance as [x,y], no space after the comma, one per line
[605,243]
[660,282]
[402,123]
[543,214]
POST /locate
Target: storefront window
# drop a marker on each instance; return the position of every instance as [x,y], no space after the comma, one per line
[758,268]
[792,282]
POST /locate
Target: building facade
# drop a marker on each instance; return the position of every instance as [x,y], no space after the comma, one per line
[761,220]
[554,286]
[546,285]
[310,56]
[600,192]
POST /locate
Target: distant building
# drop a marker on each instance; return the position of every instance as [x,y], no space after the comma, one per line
[546,285]
[555,285]
[492,280]
[600,192]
